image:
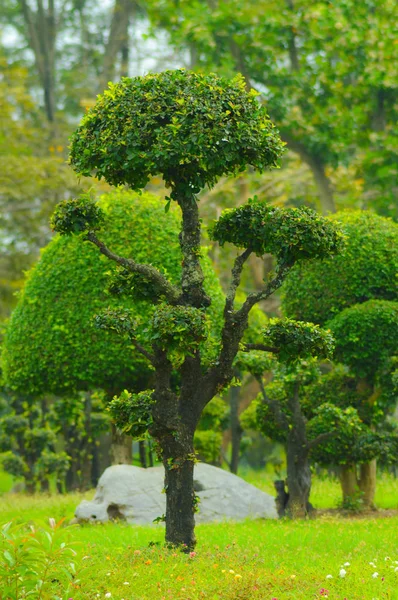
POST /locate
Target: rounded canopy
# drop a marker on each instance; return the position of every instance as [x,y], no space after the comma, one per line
[189,127]
[52,344]
[364,270]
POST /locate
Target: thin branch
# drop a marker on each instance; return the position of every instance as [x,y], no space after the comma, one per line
[321,438]
[143,351]
[236,276]
[261,347]
[171,292]
[263,294]
[274,406]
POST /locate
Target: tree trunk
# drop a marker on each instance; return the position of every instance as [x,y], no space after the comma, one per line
[117,40]
[142,452]
[298,477]
[178,461]
[367,482]
[236,429]
[121,448]
[349,483]
[324,186]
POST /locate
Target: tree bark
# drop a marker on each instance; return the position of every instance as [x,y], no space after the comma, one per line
[298,476]
[121,448]
[142,453]
[349,482]
[117,40]
[367,482]
[236,429]
[178,461]
[41,35]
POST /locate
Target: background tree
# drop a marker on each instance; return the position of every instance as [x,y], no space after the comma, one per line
[324,292]
[277,412]
[328,79]
[51,344]
[194,129]
[372,437]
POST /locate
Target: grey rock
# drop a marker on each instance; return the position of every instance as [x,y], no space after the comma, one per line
[135,495]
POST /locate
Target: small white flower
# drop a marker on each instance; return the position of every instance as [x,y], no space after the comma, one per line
[375,575]
[108,574]
[396,570]
[329,576]
[372,565]
[346,564]
[108,595]
[343,573]
[126,583]
[387,558]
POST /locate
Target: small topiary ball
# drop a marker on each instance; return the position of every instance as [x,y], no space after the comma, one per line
[298,340]
[189,127]
[77,215]
[290,234]
[366,335]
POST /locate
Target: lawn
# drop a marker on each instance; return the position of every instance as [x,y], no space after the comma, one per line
[262,560]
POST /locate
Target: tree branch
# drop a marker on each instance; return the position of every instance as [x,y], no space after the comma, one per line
[236,275]
[275,283]
[171,292]
[321,438]
[143,351]
[280,417]
[261,347]
[192,276]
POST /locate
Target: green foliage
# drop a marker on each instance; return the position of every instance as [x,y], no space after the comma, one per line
[365,269]
[132,413]
[341,388]
[77,215]
[366,336]
[208,446]
[290,234]
[297,340]
[179,328]
[35,562]
[191,128]
[14,464]
[52,344]
[208,436]
[29,442]
[254,362]
[343,447]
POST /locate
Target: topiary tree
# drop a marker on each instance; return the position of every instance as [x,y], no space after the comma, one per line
[277,411]
[190,129]
[51,345]
[370,437]
[28,444]
[366,340]
[323,291]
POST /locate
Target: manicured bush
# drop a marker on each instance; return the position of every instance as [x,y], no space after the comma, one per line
[365,269]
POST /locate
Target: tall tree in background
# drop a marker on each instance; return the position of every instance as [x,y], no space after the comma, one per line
[326,70]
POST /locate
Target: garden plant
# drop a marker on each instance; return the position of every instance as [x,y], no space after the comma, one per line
[355,295]
[191,129]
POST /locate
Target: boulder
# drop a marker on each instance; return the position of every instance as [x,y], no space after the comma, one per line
[135,495]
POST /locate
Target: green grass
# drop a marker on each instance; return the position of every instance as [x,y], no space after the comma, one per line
[260,560]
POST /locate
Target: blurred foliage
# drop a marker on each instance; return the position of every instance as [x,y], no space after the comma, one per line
[366,336]
[365,269]
[327,73]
